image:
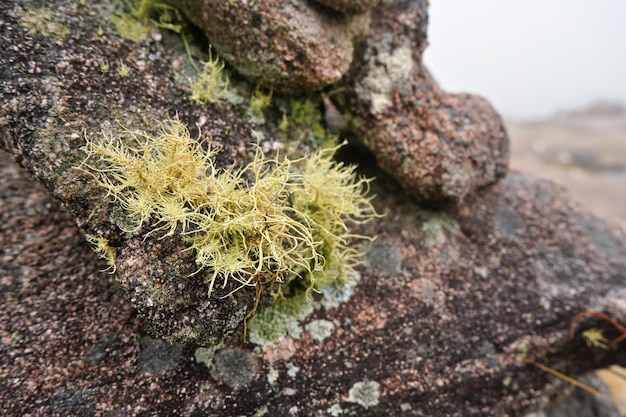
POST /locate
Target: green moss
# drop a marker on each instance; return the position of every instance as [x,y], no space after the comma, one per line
[41,20]
[142,17]
[307,113]
[122,69]
[269,223]
[104,67]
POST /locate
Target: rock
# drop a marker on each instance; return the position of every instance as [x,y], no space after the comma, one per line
[438,336]
[581,403]
[440,147]
[350,6]
[288,46]
[437,321]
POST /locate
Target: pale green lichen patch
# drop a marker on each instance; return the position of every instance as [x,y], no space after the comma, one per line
[338,292]
[436,226]
[320,329]
[365,393]
[281,319]
[41,20]
[335,410]
[205,354]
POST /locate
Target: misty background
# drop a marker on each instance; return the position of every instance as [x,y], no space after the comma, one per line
[530,58]
[556,71]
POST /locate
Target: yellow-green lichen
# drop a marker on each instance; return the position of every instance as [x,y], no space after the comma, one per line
[267,223]
[260,100]
[122,69]
[210,84]
[101,247]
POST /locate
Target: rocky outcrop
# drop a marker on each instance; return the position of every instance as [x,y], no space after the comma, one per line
[440,147]
[288,46]
[445,309]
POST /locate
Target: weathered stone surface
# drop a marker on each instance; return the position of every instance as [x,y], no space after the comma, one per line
[439,336]
[287,45]
[581,403]
[440,147]
[350,6]
[54,94]
[436,329]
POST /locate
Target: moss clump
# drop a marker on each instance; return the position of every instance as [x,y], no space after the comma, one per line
[307,113]
[264,224]
[136,24]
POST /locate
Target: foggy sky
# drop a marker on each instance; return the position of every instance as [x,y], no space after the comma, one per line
[530,58]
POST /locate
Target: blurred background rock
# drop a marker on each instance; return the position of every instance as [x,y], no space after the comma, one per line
[557,72]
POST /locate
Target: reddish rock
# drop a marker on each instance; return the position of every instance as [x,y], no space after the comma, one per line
[287,45]
[350,6]
[446,305]
[440,147]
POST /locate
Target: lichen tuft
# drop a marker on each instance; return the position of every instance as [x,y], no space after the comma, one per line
[266,224]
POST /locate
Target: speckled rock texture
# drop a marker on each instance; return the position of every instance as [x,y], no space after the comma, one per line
[288,45]
[350,6]
[447,304]
[440,147]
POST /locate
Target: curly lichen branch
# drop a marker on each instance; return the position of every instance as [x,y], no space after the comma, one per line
[268,222]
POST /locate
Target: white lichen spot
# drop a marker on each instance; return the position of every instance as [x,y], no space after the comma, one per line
[272,376]
[335,410]
[405,407]
[292,370]
[320,329]
[481,271]
[364,393]
[335,294]
[386,71]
